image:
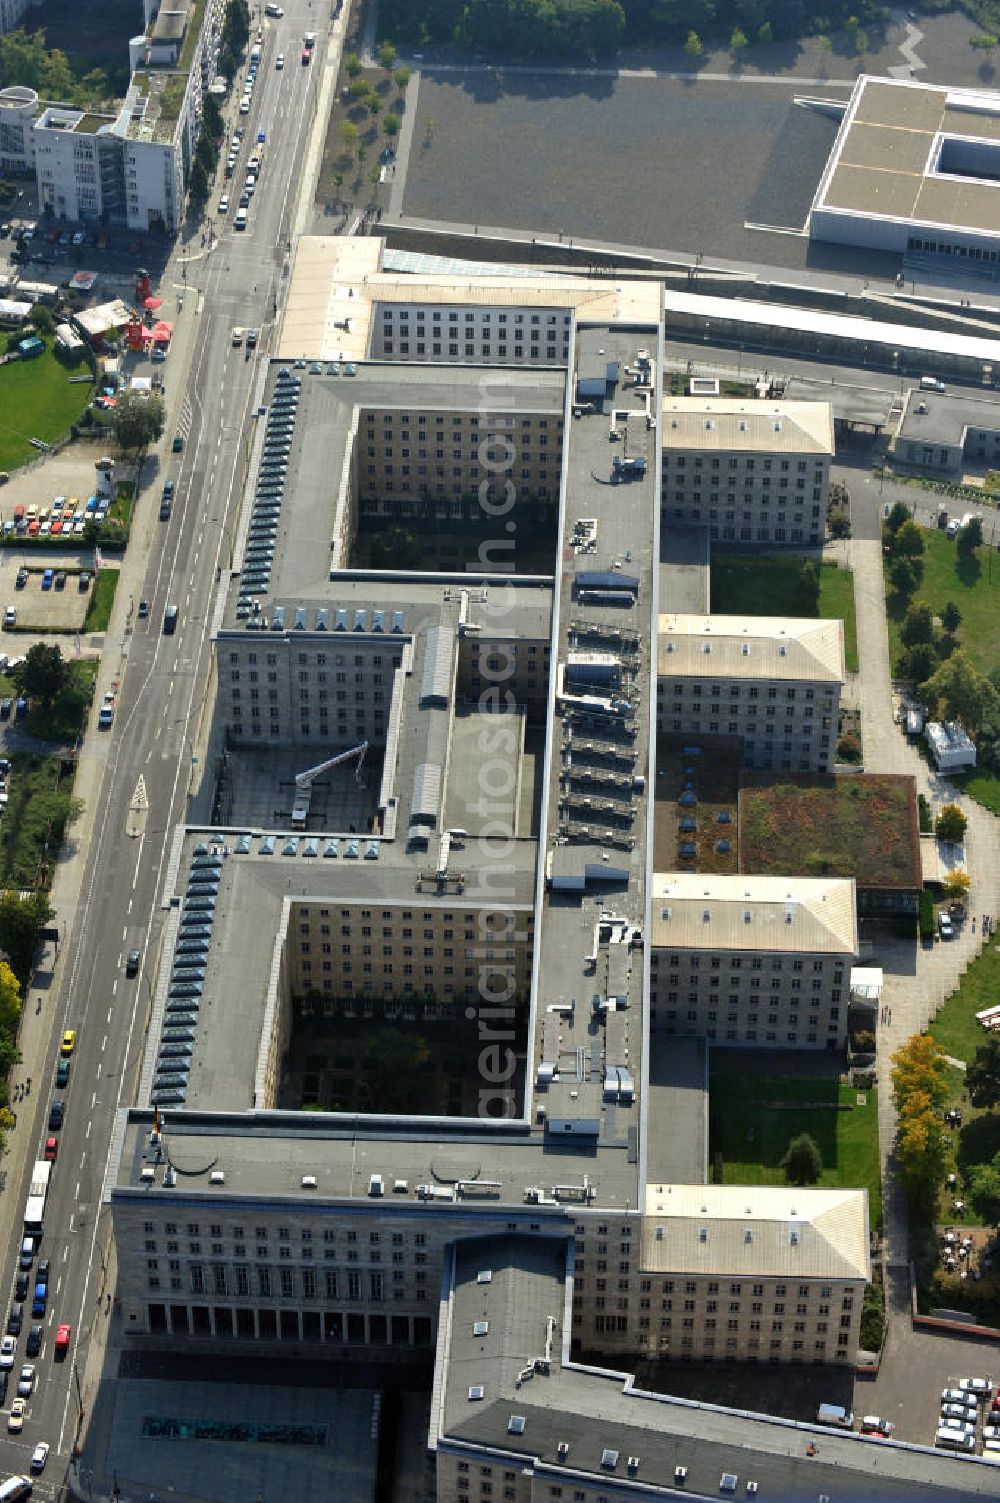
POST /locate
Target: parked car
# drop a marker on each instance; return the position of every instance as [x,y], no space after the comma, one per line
[35,1338]
[946,928]
[40,1456]
[62,1073]
[51,1152]
[68,1043]
[15,1420]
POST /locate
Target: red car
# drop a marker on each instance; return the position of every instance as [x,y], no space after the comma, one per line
[306,57]
[51,1149]
[63,1334]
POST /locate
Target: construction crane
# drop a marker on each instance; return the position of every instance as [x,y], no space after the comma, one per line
[305,780]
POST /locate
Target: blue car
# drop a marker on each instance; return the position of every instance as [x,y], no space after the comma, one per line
[40,1300]
[47,579]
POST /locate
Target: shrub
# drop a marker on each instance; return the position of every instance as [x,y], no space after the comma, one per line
[926,915]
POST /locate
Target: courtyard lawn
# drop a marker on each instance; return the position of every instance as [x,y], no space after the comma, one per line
[954,1025]
[102,598]
[971,584]
[745,585]
[37,400]
[754,1116]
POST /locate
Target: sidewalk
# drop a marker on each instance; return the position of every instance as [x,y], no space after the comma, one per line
[915,991]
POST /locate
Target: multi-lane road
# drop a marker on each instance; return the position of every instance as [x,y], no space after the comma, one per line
[239,280]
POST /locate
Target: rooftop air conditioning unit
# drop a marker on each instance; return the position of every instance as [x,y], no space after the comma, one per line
[308,1181]
[146,1174]
[217,1177]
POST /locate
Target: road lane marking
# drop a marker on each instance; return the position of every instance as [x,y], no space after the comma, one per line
[89,1126]
[76,1192]
[65,1252]
[104,1043]
[93,1100]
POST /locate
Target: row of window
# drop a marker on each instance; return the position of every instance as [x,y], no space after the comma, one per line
[748,465]
[484,315]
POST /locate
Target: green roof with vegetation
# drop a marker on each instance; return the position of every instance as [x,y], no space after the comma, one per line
[854,826]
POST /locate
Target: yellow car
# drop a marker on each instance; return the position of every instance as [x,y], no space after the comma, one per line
[68,1042]
[15,1420]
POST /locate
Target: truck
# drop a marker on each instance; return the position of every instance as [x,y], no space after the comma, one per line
[34,1209]
[835,1414]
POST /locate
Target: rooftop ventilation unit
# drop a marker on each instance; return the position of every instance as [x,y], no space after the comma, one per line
[484,1276]
[728,1482]
[752,1489]
[516,1424]
[217,1177]
[633,1464]
[477,1391]
[680,1475]
[609,1459]
[562,1450]
[480,1327]
[169,1177]
[146,1174]
[308,1182]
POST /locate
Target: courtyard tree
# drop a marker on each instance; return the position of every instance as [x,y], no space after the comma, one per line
[917,625]
[803,1162]
[391,125]
[951,823]
[401,77]
[920,661]
[956,884]
[137,422]
[919,1068]
[392,1058]
[969,538]
[903,576]
[908,541]
[349,134]
[693,46]
[352,64]
[44,673]
[921,1149]
[983,1191]
[387,56]
[951,618]
[982,1075]
[374,105]
[899,513]
[738,43]
[359,90]
[198,184]
[958,691]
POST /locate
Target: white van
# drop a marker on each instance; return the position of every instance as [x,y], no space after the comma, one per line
[835,1414]
[954,1440]
[240,222]
[931,383]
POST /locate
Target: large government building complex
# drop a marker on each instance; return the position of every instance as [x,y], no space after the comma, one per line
[431,809]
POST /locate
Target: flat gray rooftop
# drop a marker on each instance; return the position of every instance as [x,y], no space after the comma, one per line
[685,575]
[320,452]
[267,1153]
[308,1443]
[677,1111]
[936,417]
[603,1421]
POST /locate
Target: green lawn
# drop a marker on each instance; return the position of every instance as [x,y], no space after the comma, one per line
[753,1117]
[36,401]
[768,586]
[970,584]
[981,785]
[102,598]
[954,1026]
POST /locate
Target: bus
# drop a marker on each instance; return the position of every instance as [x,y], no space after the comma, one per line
[34,1210]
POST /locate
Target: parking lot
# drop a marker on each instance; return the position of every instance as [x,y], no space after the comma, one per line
[49,599]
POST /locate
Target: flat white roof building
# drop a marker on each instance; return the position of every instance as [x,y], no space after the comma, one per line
[915,168]
[952,747]
[735,425]
[751,647]
[764,914]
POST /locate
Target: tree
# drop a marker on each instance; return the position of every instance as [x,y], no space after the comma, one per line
[360,89]
[21,921]
[352,63]
[956,884]
[840,524]
[198,184]
[349,134]
[362,153]
[899,513]
[374,176]
[765,34]
[951,823]
[391,125]
[951,618]
[802,1163]
[10,1000]
[861,43]
[43,674]
[693,46]
[919,662]
[908,541]
[401,77]
[982,1075]
[137,422]
[969,538]
[919,1067]
[983,1191]
[374,104]
[902,576]
[738,43]
[387,56]
[960,692]
[214,124]
[921,1150]
[917,625]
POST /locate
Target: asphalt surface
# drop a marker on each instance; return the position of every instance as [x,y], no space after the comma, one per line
[238,280]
